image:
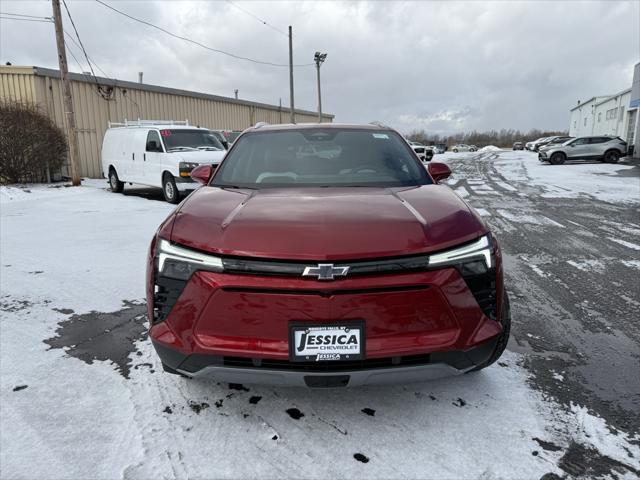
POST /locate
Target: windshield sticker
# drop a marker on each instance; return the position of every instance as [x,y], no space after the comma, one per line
[165,133]
[381,135]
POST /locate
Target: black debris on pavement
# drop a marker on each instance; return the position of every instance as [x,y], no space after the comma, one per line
[361,458]
[295,413]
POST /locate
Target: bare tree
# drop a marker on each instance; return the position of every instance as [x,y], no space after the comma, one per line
[502,138]
[31,145]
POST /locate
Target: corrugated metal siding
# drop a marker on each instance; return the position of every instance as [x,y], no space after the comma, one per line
[16,84]
[93,111]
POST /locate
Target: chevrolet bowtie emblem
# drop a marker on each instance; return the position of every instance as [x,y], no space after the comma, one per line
[325,271]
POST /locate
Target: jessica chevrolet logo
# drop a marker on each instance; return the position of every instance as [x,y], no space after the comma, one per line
[346,341]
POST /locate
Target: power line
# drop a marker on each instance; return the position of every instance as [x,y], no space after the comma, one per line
[144,22]
[25,19]
[88,58]
[258,18]
[26,16]
[79,40]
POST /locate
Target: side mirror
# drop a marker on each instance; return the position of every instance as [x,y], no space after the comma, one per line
[438,171]
[202,173]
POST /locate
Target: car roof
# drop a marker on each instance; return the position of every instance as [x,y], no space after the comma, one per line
[160,126]
[309,126]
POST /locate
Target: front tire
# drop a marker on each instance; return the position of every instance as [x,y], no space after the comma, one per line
[612,156]
[114,182]
[557,158]
[169,189]
[455,150]
[505,320]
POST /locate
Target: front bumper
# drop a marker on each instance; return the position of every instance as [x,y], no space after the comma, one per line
[251,371]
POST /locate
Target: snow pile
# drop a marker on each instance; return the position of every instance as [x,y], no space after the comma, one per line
[490,148]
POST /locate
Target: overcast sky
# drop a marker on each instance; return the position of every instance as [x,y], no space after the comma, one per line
[438,66]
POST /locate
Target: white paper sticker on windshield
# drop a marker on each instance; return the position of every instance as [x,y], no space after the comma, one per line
[380,135]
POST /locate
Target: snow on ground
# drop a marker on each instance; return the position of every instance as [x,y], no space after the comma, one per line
[490,148]
[571,180]
[66,251]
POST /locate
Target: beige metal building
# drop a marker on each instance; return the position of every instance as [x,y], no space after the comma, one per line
[99,100]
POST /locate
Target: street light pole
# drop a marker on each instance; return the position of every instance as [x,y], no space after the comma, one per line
[319,58]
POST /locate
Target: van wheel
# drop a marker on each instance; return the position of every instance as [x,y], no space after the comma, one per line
[114,182]
[557,158]
[612,156]
[169,189]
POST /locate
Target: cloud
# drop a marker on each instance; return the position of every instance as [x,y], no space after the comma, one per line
[442,66]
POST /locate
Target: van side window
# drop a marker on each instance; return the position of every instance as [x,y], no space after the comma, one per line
[154,144]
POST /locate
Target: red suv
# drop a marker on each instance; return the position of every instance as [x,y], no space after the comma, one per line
[348,266]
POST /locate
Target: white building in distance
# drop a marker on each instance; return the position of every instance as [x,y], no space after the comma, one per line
[615,115]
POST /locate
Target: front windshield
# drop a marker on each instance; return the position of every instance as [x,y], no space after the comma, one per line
[190,140]
[320,158]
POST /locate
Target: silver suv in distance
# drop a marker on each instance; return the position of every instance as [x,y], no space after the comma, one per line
[604,148]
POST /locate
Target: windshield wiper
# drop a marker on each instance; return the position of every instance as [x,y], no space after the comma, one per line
[181,148]
[209,147]
[236,187]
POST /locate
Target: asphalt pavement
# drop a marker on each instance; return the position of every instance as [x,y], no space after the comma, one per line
[572,271]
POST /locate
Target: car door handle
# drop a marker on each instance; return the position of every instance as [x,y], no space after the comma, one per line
[133,156]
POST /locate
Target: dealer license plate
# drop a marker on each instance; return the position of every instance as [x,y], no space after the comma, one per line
[318,343]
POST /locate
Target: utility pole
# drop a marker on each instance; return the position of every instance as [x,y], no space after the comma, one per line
[66,93]
[293,115]
[319,58]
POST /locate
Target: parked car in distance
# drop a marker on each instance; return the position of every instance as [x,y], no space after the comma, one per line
[354,270]
[531,145]
[424,153]
[553,141]
[518,146]
[219,134]
[536,144]
[604,148]
[439,148]
[231,135]
[157,154]
[461,147]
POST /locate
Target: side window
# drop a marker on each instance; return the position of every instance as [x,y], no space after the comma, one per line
[580,141]
[153,142]
[595,140]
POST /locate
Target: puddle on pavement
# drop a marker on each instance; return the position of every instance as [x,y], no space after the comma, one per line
[103,336]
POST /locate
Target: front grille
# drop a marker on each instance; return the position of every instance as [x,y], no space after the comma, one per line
[197,362]
[167,292]
[329,292]
[295,269]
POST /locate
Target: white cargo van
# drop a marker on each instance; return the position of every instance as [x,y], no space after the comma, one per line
[158,154]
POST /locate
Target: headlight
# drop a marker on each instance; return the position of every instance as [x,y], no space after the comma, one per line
[477,250]
[180,263]
[186,167]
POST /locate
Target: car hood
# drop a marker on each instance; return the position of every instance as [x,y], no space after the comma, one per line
[325,223]
[203,156]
